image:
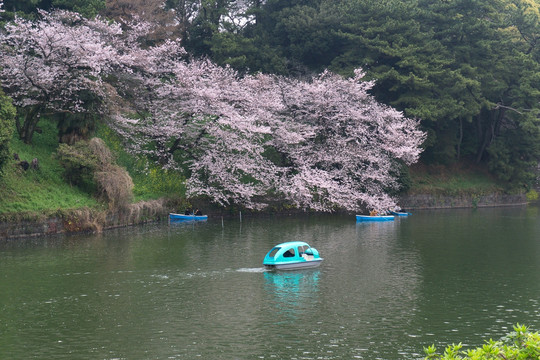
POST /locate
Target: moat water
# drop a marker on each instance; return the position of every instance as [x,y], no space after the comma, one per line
[199,291]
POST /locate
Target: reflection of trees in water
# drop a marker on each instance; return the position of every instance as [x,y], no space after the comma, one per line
[293,293]
[375,230]
[377,275]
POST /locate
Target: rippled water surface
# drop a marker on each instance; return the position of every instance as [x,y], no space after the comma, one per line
[198,291]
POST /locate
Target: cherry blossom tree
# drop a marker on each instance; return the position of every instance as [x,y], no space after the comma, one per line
[354,146]
[322,144]
[203,120]
[55,65]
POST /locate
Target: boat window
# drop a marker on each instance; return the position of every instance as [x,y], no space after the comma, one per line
[302,249]
[274,251]
[289,253]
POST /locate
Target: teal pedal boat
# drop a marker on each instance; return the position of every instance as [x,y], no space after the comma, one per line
[291,256]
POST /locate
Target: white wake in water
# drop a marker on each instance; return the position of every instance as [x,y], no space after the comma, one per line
[252,270]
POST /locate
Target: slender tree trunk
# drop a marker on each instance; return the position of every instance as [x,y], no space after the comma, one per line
[490,132]
[460,139]
[27,128]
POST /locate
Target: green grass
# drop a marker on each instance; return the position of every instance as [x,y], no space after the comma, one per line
[457,179]
[151,181]
[45,191]
[41,190]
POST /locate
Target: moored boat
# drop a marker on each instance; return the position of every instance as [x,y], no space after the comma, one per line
[291,256]
[374,217]
[174,216]
[400,213]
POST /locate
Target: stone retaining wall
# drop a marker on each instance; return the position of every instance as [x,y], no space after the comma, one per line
[83,220]
[423,201]
[79,221]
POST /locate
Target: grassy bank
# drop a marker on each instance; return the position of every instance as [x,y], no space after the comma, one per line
[41,190]
[44,191]
[464,178]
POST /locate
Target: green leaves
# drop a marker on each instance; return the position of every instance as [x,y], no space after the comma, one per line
[7,125]
[522,344]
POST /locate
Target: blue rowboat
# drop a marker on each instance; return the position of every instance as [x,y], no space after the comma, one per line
[399,213]
[291,256]
[374,218]
[183,217]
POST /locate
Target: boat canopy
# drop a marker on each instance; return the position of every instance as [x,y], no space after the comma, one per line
[290,251]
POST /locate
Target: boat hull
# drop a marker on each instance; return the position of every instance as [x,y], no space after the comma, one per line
[363,218]
[296,265]
[182,217]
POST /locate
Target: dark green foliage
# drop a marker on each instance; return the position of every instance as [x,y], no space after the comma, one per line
[514,157]
[246,54]
[26,6]
[7,125]
[79,163]
[87,8]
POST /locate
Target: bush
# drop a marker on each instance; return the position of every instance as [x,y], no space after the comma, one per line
[532,195]
[79,163]
[520,344]
[91,166]
[114,186]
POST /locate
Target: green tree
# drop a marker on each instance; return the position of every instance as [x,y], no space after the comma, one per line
[468,68]
[87,8]
[7,125]
[26,6]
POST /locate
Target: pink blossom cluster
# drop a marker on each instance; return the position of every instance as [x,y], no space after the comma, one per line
[50,62]
[320,144]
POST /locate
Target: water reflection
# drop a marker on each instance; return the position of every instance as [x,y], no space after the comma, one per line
[294,293]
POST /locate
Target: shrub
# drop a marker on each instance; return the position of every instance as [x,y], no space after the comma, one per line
[79,163]
[532,195]
[114,186]
[90,165]
[520,344]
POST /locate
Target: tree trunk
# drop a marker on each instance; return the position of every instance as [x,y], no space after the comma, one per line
[490,131]
[27,128]
[460,139]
